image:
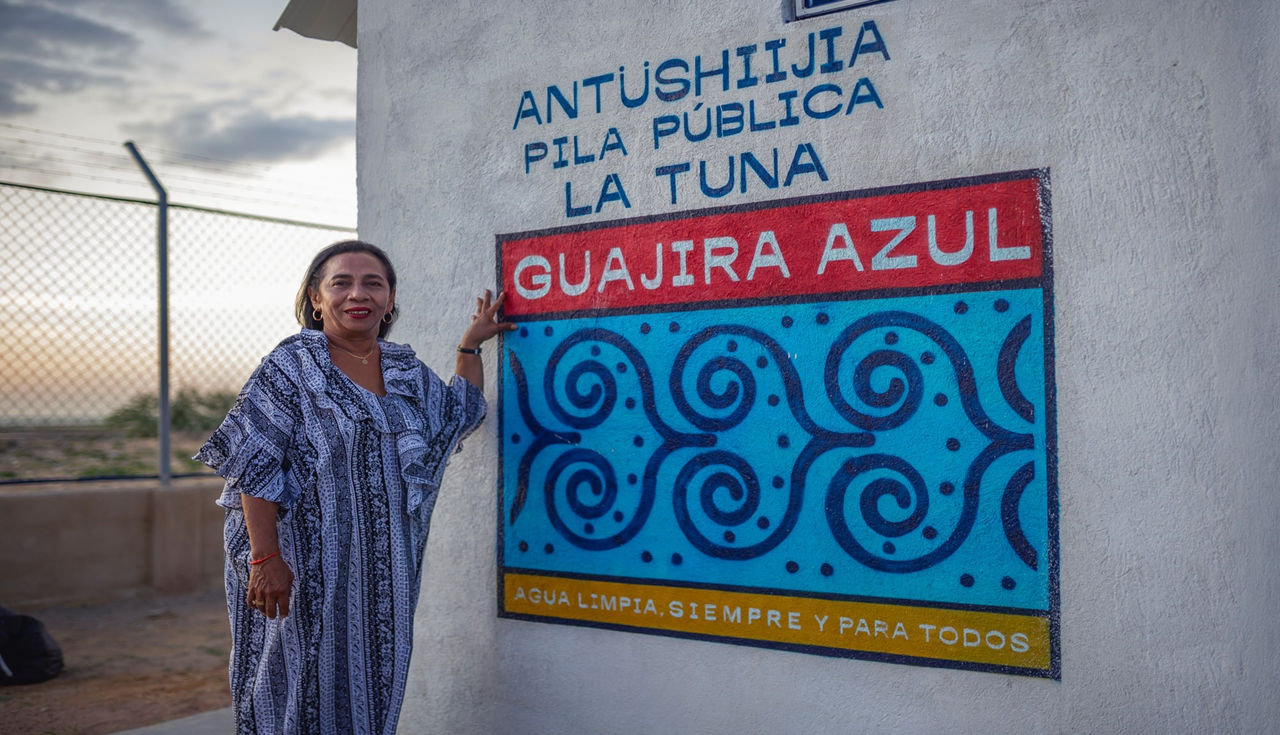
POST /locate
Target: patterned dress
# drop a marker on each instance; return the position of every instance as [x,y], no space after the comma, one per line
[356,477]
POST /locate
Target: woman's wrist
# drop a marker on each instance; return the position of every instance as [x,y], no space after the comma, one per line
[255,560]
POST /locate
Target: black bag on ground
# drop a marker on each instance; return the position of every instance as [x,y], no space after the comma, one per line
[28,654]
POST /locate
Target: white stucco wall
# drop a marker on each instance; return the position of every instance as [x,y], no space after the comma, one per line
[1160,123]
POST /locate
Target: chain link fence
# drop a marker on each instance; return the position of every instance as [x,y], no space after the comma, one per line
[79,349]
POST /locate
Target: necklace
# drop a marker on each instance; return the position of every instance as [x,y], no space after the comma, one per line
[364,359]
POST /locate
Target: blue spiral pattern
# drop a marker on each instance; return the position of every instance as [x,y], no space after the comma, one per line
[736,438]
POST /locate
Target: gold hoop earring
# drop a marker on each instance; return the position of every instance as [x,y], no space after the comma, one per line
[388,318]
[316,315]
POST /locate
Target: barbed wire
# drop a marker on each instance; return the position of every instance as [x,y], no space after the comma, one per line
[50,158]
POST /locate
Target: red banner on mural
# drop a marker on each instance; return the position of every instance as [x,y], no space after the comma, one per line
[934,235]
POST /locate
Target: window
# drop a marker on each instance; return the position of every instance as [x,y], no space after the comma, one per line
[798,9]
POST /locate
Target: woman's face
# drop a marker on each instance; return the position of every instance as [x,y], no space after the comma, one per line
[353,295]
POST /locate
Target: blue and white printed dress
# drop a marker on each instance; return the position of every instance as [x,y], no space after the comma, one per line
[356,477]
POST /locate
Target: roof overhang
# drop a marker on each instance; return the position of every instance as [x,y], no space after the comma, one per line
[327,20]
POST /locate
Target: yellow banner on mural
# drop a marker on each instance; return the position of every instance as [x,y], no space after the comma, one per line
[881,629]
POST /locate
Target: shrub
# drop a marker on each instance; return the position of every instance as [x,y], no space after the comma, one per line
[190,410]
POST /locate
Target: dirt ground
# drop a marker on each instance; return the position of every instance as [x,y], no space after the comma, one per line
[128,664]
[86,452]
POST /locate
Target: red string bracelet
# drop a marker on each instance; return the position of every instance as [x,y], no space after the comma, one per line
[256,562]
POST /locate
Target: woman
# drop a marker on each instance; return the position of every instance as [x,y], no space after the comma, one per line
[332,457]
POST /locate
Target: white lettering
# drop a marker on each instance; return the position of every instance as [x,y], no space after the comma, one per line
[682,247]
[847,252]
[1018,642]
[882,261]
[615,273]
[1012,252]
[652,283]
[713,260]
[960,255]
[576,289]
[772,259]
[541,282]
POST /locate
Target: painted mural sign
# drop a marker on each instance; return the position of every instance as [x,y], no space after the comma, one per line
[822,424]
[713,125]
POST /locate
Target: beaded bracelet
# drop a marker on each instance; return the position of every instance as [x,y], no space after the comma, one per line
[256,562]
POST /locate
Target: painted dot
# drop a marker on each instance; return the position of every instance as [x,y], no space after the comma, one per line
[548,331]
[515,438]
[595,350]
[629,403]
[761,362]
[930,532]
[966,580]
[927,358]
[548,548]
[889,548]
[617,516]
[762,522]
[773,400]
[822,317]
[1001,305]
[677,559]
[953,444]
[961,307]
[787,321]
[638,441]
[622,367]
[729,537]
[631,479]
[524,545]
[946,488]
[827,570]
[793,567]
[783,441]
[524,331]
[646,557]
[589,529]
[674,326]
[644,329]
[891,338]
[940,399]
[1008,583]
[733,345]
[778,481]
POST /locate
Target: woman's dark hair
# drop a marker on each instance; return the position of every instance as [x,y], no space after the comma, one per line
[302,306]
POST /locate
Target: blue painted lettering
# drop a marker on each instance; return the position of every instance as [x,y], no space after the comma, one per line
[748,79]
[875,45]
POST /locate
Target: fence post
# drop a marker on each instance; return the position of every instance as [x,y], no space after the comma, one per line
[162,300]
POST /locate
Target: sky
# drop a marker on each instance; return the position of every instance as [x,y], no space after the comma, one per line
[229,113]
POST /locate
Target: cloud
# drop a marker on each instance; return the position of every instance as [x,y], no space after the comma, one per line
[163,15]
[19,78]
[234,131]
[49,46]
[36,30]
[42,50]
